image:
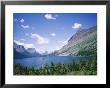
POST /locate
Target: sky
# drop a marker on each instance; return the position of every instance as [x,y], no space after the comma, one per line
[49,31]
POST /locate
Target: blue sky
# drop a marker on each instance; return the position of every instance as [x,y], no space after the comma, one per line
[49,31]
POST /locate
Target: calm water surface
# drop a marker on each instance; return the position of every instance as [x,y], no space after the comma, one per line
[38,62]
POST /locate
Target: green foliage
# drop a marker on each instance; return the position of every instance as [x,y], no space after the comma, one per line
[82,67]
[84,52]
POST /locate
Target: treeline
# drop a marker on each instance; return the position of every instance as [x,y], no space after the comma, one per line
[81,67]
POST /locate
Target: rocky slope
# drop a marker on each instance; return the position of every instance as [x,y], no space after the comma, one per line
[83,43]
[21,52]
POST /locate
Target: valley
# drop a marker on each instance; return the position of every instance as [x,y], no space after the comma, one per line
[82,45]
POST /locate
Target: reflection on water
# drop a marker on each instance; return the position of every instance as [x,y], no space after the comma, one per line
[38,62]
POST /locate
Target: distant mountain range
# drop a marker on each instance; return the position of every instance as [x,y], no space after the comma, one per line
[83,43]
[20,52]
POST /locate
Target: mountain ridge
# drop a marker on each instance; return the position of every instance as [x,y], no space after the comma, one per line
[20,52]
[82,43]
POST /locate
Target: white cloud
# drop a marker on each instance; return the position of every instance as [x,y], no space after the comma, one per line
[15,20]
[40,39]
[29,46]
[58,47]
[40,50]
[49,17]
[22,20]
[22,39]
[18,42]
[53,34]
[25,26]
[76,26]
[24,44]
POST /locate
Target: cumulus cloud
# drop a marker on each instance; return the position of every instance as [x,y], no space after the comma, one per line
[25,26]
[22,20]
[15,20]
[53,34]
[40,39]
[18,42]
[49,17]
[77,26]
[24,44]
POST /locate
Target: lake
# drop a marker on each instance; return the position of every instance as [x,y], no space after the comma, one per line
[38,62]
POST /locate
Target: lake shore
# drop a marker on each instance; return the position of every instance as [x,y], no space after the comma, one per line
[80,67]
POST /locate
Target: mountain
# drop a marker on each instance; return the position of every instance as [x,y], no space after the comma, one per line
[82,43]
[45,53]
[21,52]
[19,48]
[32,52]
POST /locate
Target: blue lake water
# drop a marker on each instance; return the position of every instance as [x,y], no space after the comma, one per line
[38,62]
